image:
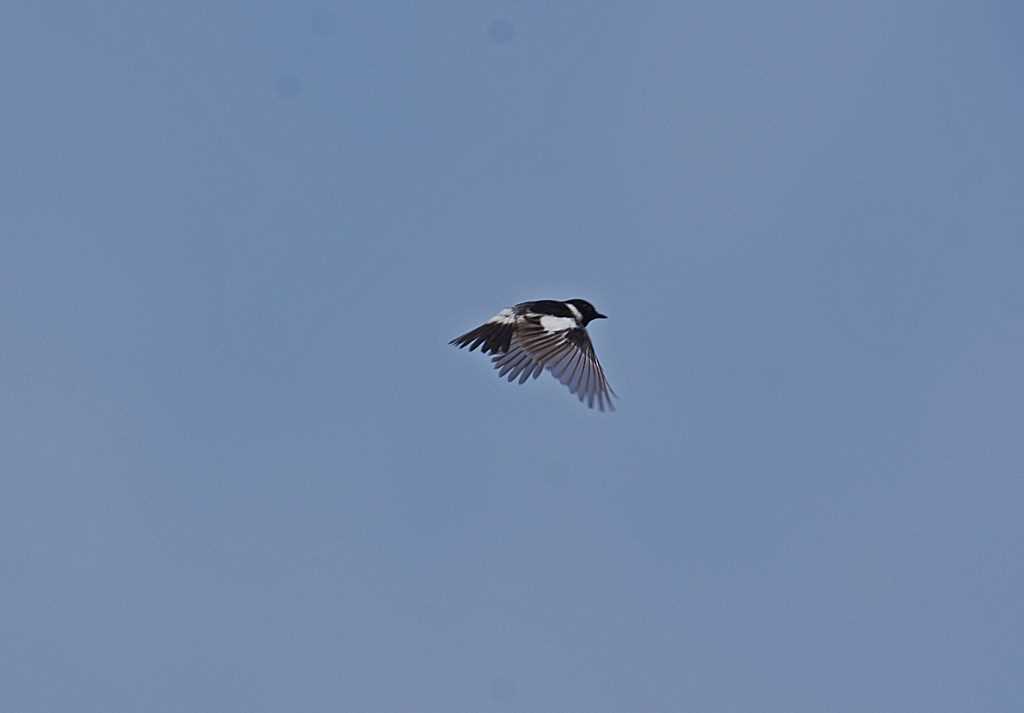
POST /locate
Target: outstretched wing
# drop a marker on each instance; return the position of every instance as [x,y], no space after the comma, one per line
[562,348]
[494,336]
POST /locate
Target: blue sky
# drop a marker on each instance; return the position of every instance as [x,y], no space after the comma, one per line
[243,471]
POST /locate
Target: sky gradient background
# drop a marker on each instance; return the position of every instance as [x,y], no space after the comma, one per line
[243,471]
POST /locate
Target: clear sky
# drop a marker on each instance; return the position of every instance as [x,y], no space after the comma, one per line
[242,471]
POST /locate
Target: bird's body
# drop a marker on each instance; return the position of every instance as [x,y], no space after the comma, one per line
[530,337]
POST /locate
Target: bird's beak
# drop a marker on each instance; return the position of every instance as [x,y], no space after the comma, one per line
[600,316]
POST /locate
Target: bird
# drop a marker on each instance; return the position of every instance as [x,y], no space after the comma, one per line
[530,337]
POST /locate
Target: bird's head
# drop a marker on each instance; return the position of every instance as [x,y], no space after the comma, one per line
[587,311]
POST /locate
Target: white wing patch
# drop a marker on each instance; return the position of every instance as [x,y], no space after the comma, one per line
[557,324]
[505,316]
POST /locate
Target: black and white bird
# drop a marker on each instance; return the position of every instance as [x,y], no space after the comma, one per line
[545,334]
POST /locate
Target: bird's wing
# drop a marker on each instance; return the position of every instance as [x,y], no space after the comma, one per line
[566,351]
[495,335]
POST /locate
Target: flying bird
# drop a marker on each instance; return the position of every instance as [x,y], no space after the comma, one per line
[530,337]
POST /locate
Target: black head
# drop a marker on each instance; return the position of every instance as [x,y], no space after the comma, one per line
[587,311]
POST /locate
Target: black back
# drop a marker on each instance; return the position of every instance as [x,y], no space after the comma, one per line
[555,308]
[558,308]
